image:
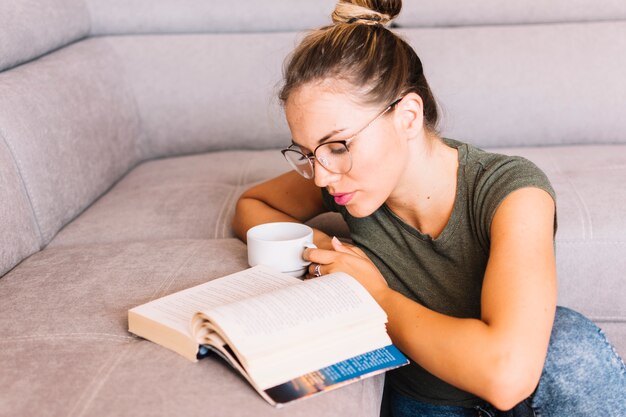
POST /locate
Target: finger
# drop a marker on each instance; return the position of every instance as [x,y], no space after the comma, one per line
[315,270]
[338,246]
[320,256]
[344,248]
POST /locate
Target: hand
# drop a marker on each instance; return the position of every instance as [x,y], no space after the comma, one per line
[351,260]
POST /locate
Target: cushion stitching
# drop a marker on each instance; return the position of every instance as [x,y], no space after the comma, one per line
[167,282]
[103,336]
[243,175]
[582,207]
[100,378]
[25,185]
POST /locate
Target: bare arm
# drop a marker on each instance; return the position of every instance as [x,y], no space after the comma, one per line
[287,198]
[500,356]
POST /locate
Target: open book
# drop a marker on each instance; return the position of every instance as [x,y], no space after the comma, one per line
[288,337]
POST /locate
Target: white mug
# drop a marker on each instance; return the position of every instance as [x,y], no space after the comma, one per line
[280,246]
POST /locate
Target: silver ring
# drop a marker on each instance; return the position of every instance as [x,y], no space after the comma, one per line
[316,270]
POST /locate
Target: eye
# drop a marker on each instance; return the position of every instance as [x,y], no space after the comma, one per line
[337,148]
[301,150]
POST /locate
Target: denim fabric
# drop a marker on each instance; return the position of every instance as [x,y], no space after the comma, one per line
[583,376]
[402,406]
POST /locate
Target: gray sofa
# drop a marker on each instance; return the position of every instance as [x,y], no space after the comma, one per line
[129,128]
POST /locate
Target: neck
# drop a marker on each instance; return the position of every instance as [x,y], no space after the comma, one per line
[424,197]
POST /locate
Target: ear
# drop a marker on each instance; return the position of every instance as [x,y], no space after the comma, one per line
[410,114]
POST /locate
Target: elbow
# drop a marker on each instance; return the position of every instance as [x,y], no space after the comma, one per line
[509,385]
[238,224]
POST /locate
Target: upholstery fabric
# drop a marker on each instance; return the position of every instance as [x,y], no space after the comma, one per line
[19,236]
[170,16]
[186,197]
[32,28]
[64,314]
[497,87]
[81,125]
[197,93]
[428,13]
[206,16]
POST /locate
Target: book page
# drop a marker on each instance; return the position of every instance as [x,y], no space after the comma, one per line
[176,310]
[296,314]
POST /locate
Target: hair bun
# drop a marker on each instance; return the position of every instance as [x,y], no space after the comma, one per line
[369,12]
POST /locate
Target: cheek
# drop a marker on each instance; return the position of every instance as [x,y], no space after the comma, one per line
[380,166]
[376,174]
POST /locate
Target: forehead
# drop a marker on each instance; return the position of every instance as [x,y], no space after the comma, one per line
[318,98]
[316,110]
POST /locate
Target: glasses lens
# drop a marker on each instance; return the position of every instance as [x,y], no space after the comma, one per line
[335,157]
[299,162]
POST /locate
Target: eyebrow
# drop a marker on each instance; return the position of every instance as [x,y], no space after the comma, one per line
[322,140]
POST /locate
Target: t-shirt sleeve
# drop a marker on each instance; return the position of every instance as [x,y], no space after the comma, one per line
[499,178]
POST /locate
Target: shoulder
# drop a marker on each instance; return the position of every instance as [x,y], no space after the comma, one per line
[491,177]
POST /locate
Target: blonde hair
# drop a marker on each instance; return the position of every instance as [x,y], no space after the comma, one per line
[359,49]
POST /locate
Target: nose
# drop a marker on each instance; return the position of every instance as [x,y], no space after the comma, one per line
[324,177]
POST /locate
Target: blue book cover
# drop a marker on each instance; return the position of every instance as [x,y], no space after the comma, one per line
[337,375]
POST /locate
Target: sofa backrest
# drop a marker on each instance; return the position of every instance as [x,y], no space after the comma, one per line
[33,28]
[69,123]
[89,88]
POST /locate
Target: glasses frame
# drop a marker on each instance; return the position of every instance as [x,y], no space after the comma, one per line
[311,157]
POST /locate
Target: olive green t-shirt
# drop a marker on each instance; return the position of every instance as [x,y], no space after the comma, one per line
[443,274]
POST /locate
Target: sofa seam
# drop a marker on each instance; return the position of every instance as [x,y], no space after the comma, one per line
[123,76]
[223,210]
[90,17]
[60,336]
[96,384]
[25,187]
[599,241]
[161,291]
[243,175]
[580,204]
[607,319]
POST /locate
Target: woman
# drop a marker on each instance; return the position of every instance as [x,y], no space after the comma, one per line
[454,243]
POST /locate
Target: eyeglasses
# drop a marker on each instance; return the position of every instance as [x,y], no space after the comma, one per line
[334,156]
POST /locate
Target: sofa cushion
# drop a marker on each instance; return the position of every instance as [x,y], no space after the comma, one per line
[171,16]
[495,12]
[188,16]
[185,197]
[72,127]
[199,93]
[527,85]
[64,340]
[19,236]
[35,27]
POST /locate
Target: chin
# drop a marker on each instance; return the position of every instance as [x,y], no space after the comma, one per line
[359,211]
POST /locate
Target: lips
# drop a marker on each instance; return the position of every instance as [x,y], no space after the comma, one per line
[342,198]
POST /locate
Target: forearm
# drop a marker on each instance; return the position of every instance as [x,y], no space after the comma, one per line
[466,353]
[251,212]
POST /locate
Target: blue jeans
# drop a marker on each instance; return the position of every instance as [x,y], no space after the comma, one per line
[583,376]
